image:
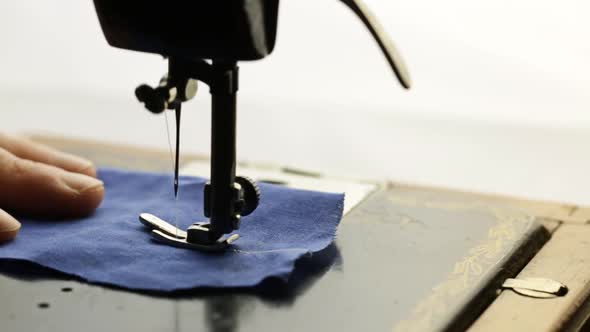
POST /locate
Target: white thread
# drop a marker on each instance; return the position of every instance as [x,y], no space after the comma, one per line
[267,251]
[169,141]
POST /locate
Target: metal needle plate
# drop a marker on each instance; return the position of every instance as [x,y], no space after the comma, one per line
[167,233]
[536,287]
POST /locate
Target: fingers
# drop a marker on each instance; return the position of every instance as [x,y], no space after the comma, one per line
[24,148]
[9,227]
[33,188]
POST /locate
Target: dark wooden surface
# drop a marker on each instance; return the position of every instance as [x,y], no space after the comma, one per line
[404,260]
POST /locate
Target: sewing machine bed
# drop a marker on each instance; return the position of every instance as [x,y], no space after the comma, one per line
[405,259]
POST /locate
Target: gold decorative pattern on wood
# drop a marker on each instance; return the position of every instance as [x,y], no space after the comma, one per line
[469,271]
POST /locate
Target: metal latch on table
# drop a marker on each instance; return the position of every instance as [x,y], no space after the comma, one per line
[536,287]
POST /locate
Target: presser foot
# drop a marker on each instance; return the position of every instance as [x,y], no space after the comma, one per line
[195,238]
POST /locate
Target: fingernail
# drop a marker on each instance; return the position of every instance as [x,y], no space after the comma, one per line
[81,183]
[8,226]
[75,163]
[89,170]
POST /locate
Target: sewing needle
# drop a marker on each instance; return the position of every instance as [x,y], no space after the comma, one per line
[177,113]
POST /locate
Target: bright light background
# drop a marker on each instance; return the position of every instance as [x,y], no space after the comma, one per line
[500,102]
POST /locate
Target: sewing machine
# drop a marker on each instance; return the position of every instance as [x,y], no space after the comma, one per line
[406,258]
[224,33]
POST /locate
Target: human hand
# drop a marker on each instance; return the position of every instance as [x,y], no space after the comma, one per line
[36,180]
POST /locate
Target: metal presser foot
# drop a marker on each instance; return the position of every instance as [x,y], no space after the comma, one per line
[167,233]
[200,236]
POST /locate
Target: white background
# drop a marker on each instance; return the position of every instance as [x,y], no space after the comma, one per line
[500,101]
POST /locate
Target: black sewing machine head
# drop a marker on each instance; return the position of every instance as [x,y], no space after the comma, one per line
[236,29]
[189,33]
[208,29]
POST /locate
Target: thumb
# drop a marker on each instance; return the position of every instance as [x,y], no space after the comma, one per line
[9,227]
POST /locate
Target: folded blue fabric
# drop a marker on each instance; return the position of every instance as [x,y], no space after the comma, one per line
[112,247]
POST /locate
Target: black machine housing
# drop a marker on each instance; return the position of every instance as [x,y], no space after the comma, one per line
[202,29]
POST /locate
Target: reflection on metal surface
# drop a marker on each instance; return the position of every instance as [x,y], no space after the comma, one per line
[536,287]
[226,309]
[222,313]
[469,271]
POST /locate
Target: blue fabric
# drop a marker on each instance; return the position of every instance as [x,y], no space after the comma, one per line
[112,247]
